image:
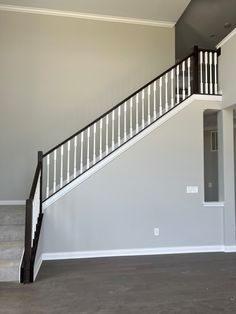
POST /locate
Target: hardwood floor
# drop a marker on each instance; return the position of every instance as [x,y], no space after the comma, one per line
[187,283]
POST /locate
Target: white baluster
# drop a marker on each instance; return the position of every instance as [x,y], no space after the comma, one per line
[166,91]
[107,124]
[210,63]
[215,68]
[201,72]
[189,77]
[137,100]
[206,72]
[55,171]
[131,117]
[177,83]
[119,113]
[113,130]
[183,72]
[172,88]
[154,100]
[62,159]
[160,92]
[68,161]
[48,168]
[75,155]
[94,142]
[82,152]
[149,94]
[88,147]
[143,108]
[125,121]
[100,140]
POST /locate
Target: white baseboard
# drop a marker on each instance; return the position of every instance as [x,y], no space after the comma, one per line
[230,249]
[11,202]
[21,260]
[136,252]
[37,266]
[131,252]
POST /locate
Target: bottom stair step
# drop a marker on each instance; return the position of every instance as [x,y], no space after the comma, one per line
[11,250]
[9,270]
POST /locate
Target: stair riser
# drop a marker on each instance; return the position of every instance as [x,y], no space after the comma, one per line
[10,273]
[11,233]
[12,215]
[12,218]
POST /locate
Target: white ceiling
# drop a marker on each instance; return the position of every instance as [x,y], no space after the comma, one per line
[157,10]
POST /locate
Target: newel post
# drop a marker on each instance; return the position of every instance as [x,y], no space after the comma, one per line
[28,240]
[195,70]
[40,161]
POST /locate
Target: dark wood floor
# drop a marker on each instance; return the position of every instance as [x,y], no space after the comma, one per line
[189,283]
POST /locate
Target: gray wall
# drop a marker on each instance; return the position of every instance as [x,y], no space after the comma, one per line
[201,20]
[57,74]
[235,156]
[210,169]
[227,69]
[210,158]
[145,187]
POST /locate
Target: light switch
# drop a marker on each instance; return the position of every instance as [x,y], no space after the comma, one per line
[192,189]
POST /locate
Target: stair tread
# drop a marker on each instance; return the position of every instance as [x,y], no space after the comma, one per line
[10,226]
[6,263]
[12,208]
[12,215]
[11,250]
[9,233]
[11,244]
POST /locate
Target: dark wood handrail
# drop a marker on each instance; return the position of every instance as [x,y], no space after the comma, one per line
[35,181]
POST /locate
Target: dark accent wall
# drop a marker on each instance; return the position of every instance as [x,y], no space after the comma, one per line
[202,24]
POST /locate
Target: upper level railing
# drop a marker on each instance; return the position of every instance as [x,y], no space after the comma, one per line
[70,159]
[196,74]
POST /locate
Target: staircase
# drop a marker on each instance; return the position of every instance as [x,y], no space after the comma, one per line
[65,164]
[12,219]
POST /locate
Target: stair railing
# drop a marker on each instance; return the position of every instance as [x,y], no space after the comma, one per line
[64,163]
[196,74]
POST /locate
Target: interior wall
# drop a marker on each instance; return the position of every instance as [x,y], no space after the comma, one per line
[227,69]
[210,158]
[108,212]
[235,156]
[203,24]
[211,170]
[58,74]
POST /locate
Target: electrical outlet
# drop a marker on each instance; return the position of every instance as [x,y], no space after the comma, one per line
[156,232]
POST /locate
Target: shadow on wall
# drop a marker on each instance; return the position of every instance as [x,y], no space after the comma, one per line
[204,23]
[211,185]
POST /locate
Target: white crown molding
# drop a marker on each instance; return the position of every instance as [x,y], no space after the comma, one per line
[126,146]
[10,202]
[227,38]
[86,16]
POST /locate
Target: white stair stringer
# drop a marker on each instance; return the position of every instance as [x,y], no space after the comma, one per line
[123,147]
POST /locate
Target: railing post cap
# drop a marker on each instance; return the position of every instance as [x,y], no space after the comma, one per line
[195,48]
[40,155]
